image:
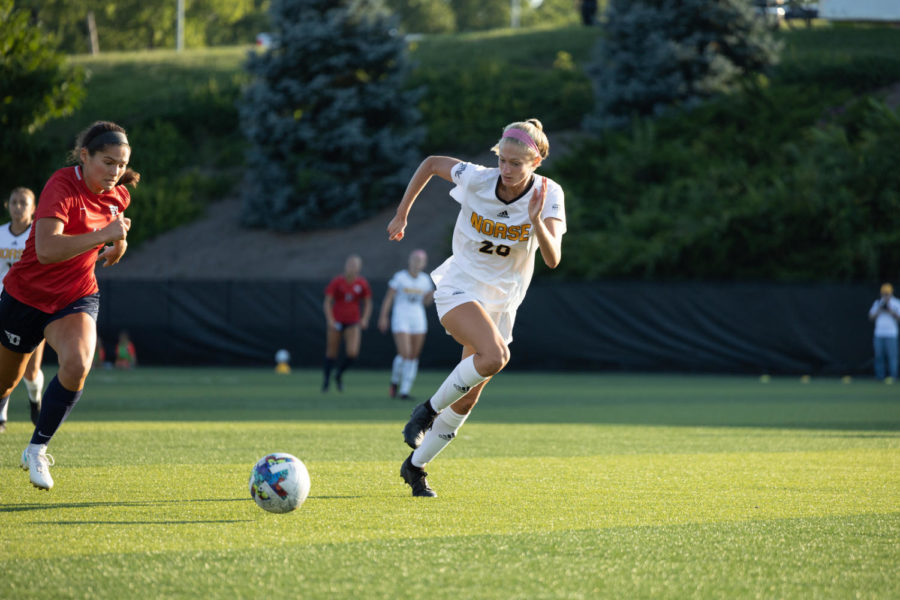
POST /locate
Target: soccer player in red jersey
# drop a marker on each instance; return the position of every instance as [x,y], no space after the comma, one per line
[51,292]
[344,318]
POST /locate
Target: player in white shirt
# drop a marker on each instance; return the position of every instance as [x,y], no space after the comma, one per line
[409,291]
[13,236]
[507,214]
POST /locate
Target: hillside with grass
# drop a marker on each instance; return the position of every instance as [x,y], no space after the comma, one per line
[180,110]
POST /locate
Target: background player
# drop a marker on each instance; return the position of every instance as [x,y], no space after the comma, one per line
[12,243]
[409,291]
[344,319]
[52,293]
[506,214]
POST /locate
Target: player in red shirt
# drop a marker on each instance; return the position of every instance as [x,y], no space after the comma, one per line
[52,293]
[342,315]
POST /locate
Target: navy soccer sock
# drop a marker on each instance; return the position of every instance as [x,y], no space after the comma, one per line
[57,404]
[345,364]
[329,365]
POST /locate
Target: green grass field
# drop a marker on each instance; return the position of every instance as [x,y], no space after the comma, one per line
[559,486]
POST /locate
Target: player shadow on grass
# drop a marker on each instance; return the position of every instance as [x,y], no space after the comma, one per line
[185,522]
[54,506]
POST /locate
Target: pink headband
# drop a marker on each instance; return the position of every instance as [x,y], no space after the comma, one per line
[518,134]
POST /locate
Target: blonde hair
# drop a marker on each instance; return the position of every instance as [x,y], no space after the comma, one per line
[535,130]
[887,289]
[24,191]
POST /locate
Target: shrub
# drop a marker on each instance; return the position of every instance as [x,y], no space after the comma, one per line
[821,204]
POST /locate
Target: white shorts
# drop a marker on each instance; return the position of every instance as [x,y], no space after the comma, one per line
[409,321]
[448,297]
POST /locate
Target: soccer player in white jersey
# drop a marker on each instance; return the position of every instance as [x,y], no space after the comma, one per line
[13,236]
[507,213]
[409,291]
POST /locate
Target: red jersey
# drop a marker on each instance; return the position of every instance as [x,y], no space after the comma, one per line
[66,197]
[347,295]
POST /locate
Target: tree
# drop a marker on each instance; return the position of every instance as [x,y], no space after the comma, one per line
[35,86]
[476,15]
[424,16]
[142,24]
[658,54]
[333,130]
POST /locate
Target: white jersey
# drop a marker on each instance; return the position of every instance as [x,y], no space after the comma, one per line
[408,312]
[11,248]
[493,241]
[409,291]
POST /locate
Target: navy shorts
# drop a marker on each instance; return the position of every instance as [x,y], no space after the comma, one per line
[22,326]
[341,326]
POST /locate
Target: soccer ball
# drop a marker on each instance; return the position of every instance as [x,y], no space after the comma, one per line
[282,356]
[279,482]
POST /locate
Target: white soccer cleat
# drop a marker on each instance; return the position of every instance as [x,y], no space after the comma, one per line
[38,464]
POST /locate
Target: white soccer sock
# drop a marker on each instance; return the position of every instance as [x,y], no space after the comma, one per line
[410,368]
[442,432]
[397,369]
[35,388]
[457,384]
[4,404]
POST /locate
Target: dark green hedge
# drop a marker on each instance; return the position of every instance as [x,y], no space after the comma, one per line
[794,182]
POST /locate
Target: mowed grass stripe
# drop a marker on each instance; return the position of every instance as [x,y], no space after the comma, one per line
[828,557]
[203,507]
[85,443]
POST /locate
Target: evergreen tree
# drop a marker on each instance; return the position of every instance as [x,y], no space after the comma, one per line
[333,131]
[659,54]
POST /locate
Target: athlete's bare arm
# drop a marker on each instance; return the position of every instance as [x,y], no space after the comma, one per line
[366,312]
[546,230]
[431,166]
[386,304]
[329,315]
[52,245]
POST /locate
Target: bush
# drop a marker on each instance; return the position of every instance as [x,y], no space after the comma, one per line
[476,84]
[822,203]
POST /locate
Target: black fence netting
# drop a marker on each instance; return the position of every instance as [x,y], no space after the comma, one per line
[629,326]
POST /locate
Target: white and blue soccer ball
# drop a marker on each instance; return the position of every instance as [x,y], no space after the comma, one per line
[279,482]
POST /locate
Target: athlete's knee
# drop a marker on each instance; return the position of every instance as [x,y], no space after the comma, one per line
[492,359]
[74,368]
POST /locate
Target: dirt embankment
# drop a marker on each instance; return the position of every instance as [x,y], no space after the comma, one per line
[215,246]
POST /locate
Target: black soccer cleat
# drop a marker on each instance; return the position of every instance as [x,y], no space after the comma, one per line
[419,422]
[35,411]
[2,426]
[415,478]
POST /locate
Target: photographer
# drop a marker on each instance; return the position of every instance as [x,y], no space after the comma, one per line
[886,314]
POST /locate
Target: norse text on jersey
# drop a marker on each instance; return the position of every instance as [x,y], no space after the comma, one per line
[513,233]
